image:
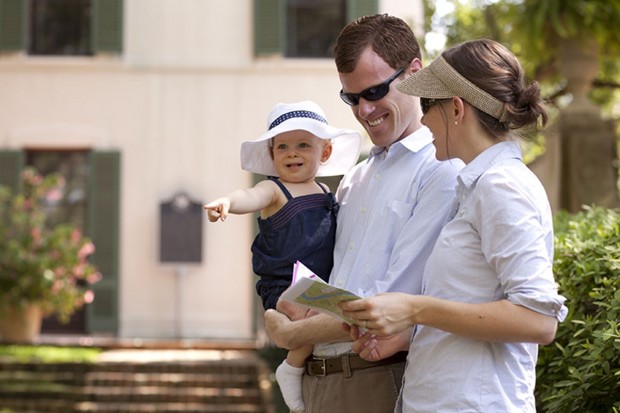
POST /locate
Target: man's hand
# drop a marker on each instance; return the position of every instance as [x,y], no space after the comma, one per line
[279,328]
[374,348]
[293,311]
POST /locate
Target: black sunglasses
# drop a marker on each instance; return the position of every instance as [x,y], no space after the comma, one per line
[373,93]
[427,103]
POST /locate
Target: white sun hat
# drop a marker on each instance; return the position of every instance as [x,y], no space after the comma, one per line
[307,116]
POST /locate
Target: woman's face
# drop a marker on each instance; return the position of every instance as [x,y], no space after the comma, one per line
[436,119]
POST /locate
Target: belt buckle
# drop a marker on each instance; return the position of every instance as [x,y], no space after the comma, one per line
[323,367]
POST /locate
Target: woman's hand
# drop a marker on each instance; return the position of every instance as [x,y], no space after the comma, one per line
[383,314]
[494,321]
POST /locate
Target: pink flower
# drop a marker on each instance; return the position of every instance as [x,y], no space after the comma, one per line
[78,270]
[54,195]
[94,278]
[86,250]
[89,296]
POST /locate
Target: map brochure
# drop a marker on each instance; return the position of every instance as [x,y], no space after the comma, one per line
[310,291]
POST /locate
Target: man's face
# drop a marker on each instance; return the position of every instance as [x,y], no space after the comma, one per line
[390,118]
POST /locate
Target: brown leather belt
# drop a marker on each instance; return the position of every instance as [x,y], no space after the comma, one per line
[317,366]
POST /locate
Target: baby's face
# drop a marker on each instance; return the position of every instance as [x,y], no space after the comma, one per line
[298,154]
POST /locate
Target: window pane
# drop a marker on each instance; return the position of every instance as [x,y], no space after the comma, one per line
[70,205]
[312,26]
[60,27]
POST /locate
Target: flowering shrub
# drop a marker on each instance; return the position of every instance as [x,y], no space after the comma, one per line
[41,265]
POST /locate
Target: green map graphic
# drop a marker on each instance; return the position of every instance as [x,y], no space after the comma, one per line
[326,297]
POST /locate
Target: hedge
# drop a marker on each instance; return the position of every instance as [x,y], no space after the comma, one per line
[580,371]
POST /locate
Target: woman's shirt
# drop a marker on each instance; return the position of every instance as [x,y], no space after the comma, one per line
[498,246]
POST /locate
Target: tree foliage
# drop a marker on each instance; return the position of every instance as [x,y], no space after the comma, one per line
[532,28]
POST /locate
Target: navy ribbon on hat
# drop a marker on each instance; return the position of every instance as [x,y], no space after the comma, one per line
[297,114]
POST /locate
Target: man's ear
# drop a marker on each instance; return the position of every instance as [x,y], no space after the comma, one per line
[414,66]
[327,151]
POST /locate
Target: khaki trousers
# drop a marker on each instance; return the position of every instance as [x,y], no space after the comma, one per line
[371,390]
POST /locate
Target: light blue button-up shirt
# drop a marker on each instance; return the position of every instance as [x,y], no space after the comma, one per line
[498,246]
[392,208]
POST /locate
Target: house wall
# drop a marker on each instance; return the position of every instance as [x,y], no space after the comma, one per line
[177,104]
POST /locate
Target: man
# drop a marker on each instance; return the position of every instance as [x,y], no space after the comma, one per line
[392,208]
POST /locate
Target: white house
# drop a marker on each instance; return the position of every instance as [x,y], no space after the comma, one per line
[139,101]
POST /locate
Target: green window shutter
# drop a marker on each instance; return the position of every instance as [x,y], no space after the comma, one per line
[269,26]
[12,20]
[359,8]
[103,228]
[11,165]
[107,26]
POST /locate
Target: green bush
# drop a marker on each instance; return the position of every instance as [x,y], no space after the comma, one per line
[580,371]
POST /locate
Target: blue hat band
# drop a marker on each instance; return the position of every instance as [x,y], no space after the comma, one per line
[297,114]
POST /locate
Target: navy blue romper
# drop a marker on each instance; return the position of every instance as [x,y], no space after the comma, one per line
[305,230]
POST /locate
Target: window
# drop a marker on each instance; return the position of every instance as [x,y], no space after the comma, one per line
[312,26]
[61,27]
[304,28]
[70,207]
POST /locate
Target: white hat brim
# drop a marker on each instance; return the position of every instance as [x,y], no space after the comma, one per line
[346,146]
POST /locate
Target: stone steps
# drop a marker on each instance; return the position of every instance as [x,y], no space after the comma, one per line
[228,386]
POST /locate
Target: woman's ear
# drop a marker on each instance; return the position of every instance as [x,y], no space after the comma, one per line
[327,151]
[458,109]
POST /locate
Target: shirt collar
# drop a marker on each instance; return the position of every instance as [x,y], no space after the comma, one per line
[413,142]
[490,156]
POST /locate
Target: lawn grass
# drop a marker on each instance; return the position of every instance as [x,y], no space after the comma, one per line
[48,354]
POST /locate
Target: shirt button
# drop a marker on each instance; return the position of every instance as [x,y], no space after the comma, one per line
[352,245]
[363,210]
[377,176]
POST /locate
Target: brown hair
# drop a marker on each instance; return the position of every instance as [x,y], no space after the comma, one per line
[494,69]
[390,37]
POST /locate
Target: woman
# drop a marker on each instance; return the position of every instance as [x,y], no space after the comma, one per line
[489,296]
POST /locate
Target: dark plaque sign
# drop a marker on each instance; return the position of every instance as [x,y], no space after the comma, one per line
[180,235]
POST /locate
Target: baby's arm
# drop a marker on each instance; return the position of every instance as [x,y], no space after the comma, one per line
[243,201]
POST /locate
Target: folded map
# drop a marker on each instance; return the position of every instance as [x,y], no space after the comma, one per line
[309,291]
